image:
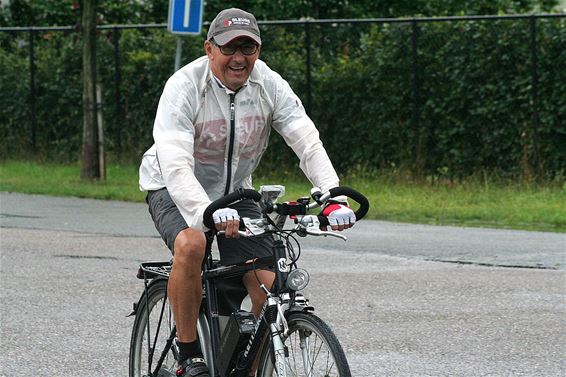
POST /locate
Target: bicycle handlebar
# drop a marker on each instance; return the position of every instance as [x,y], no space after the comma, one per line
[225,201]
[241,194]
[350,193]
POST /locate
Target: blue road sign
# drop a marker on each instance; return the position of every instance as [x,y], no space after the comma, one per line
[185,16]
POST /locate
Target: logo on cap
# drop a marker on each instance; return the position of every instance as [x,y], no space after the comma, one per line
[237,21]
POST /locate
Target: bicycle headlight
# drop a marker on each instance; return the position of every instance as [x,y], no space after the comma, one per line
[297,279]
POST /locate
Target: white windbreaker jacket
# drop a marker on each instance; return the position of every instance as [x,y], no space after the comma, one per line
[209,140]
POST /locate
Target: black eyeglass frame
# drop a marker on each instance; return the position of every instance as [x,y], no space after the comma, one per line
[232,49]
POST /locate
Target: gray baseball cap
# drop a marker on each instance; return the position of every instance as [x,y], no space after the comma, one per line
[233,23]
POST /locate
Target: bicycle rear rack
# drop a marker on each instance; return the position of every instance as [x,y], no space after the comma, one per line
[150,270]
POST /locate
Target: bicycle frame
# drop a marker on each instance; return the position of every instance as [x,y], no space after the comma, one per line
[281,299]
[270,314]
[271,317]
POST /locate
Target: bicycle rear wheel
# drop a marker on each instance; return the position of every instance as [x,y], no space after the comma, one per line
[153,328]
[313,349]
[153,333]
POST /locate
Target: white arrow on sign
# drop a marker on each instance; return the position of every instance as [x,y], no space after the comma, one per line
[187,20]
[187,13]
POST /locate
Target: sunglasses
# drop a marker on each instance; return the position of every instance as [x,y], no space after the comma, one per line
[247,48]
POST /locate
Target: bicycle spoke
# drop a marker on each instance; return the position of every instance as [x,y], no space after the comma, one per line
[294,340]
[311,351]
[151,353]
[315,357]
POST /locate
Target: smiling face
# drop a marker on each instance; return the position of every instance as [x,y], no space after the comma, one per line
[232,70]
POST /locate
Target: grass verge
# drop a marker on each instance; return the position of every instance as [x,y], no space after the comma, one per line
[472,203]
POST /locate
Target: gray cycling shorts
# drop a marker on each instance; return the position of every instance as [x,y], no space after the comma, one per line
[169,222]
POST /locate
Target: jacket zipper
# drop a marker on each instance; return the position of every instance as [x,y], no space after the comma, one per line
[231,143]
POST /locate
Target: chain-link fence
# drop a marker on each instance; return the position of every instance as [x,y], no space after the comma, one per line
[450,96]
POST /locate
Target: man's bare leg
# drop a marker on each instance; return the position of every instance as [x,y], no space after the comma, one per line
[184,289]
[257,295]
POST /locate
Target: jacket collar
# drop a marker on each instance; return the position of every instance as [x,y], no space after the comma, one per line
[216,81]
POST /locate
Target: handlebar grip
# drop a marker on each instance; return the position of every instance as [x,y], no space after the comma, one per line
[352,194]
[225,201]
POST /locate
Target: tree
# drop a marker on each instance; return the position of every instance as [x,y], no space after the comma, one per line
[63,12]
[90,156]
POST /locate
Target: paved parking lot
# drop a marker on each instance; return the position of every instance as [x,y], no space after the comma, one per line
[67,274]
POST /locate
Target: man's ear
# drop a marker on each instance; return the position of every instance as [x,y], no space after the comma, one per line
[208,48]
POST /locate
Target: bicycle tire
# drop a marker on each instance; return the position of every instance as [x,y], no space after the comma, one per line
[139,351]
[322,356]
[139,346]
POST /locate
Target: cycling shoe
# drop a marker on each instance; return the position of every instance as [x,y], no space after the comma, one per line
[193,367]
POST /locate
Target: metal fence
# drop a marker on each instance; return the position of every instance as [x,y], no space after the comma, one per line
[312,37]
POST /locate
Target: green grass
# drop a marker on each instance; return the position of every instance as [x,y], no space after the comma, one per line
[64,180]
[471,203]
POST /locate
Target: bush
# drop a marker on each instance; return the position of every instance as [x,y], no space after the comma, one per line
[463,108]
[462,105]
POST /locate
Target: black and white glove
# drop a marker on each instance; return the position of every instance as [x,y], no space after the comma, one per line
[228,220]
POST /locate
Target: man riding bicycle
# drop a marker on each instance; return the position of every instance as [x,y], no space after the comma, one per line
[211,128]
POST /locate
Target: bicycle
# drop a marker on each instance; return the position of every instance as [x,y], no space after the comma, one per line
[290,339]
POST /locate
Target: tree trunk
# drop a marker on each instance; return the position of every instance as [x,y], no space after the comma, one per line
[90,158]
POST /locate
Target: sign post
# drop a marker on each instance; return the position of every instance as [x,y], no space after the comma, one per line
[185,17]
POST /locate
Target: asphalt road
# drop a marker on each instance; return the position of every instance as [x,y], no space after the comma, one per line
[405,300]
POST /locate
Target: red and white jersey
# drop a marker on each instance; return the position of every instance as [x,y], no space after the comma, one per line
[209,140]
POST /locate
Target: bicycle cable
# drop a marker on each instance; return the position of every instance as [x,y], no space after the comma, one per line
[268,248]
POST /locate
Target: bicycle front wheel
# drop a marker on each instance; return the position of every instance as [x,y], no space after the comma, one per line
[313,349]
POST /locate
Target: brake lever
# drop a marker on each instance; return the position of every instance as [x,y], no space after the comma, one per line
[240,232]
[253,227]
[311,225]
[318,232]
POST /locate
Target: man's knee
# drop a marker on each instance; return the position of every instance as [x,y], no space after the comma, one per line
[190,247]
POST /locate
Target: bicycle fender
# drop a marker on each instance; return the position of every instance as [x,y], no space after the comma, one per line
[301,308]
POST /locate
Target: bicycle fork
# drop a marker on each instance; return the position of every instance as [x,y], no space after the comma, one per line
[278,351]
[279,329]
[277,342]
